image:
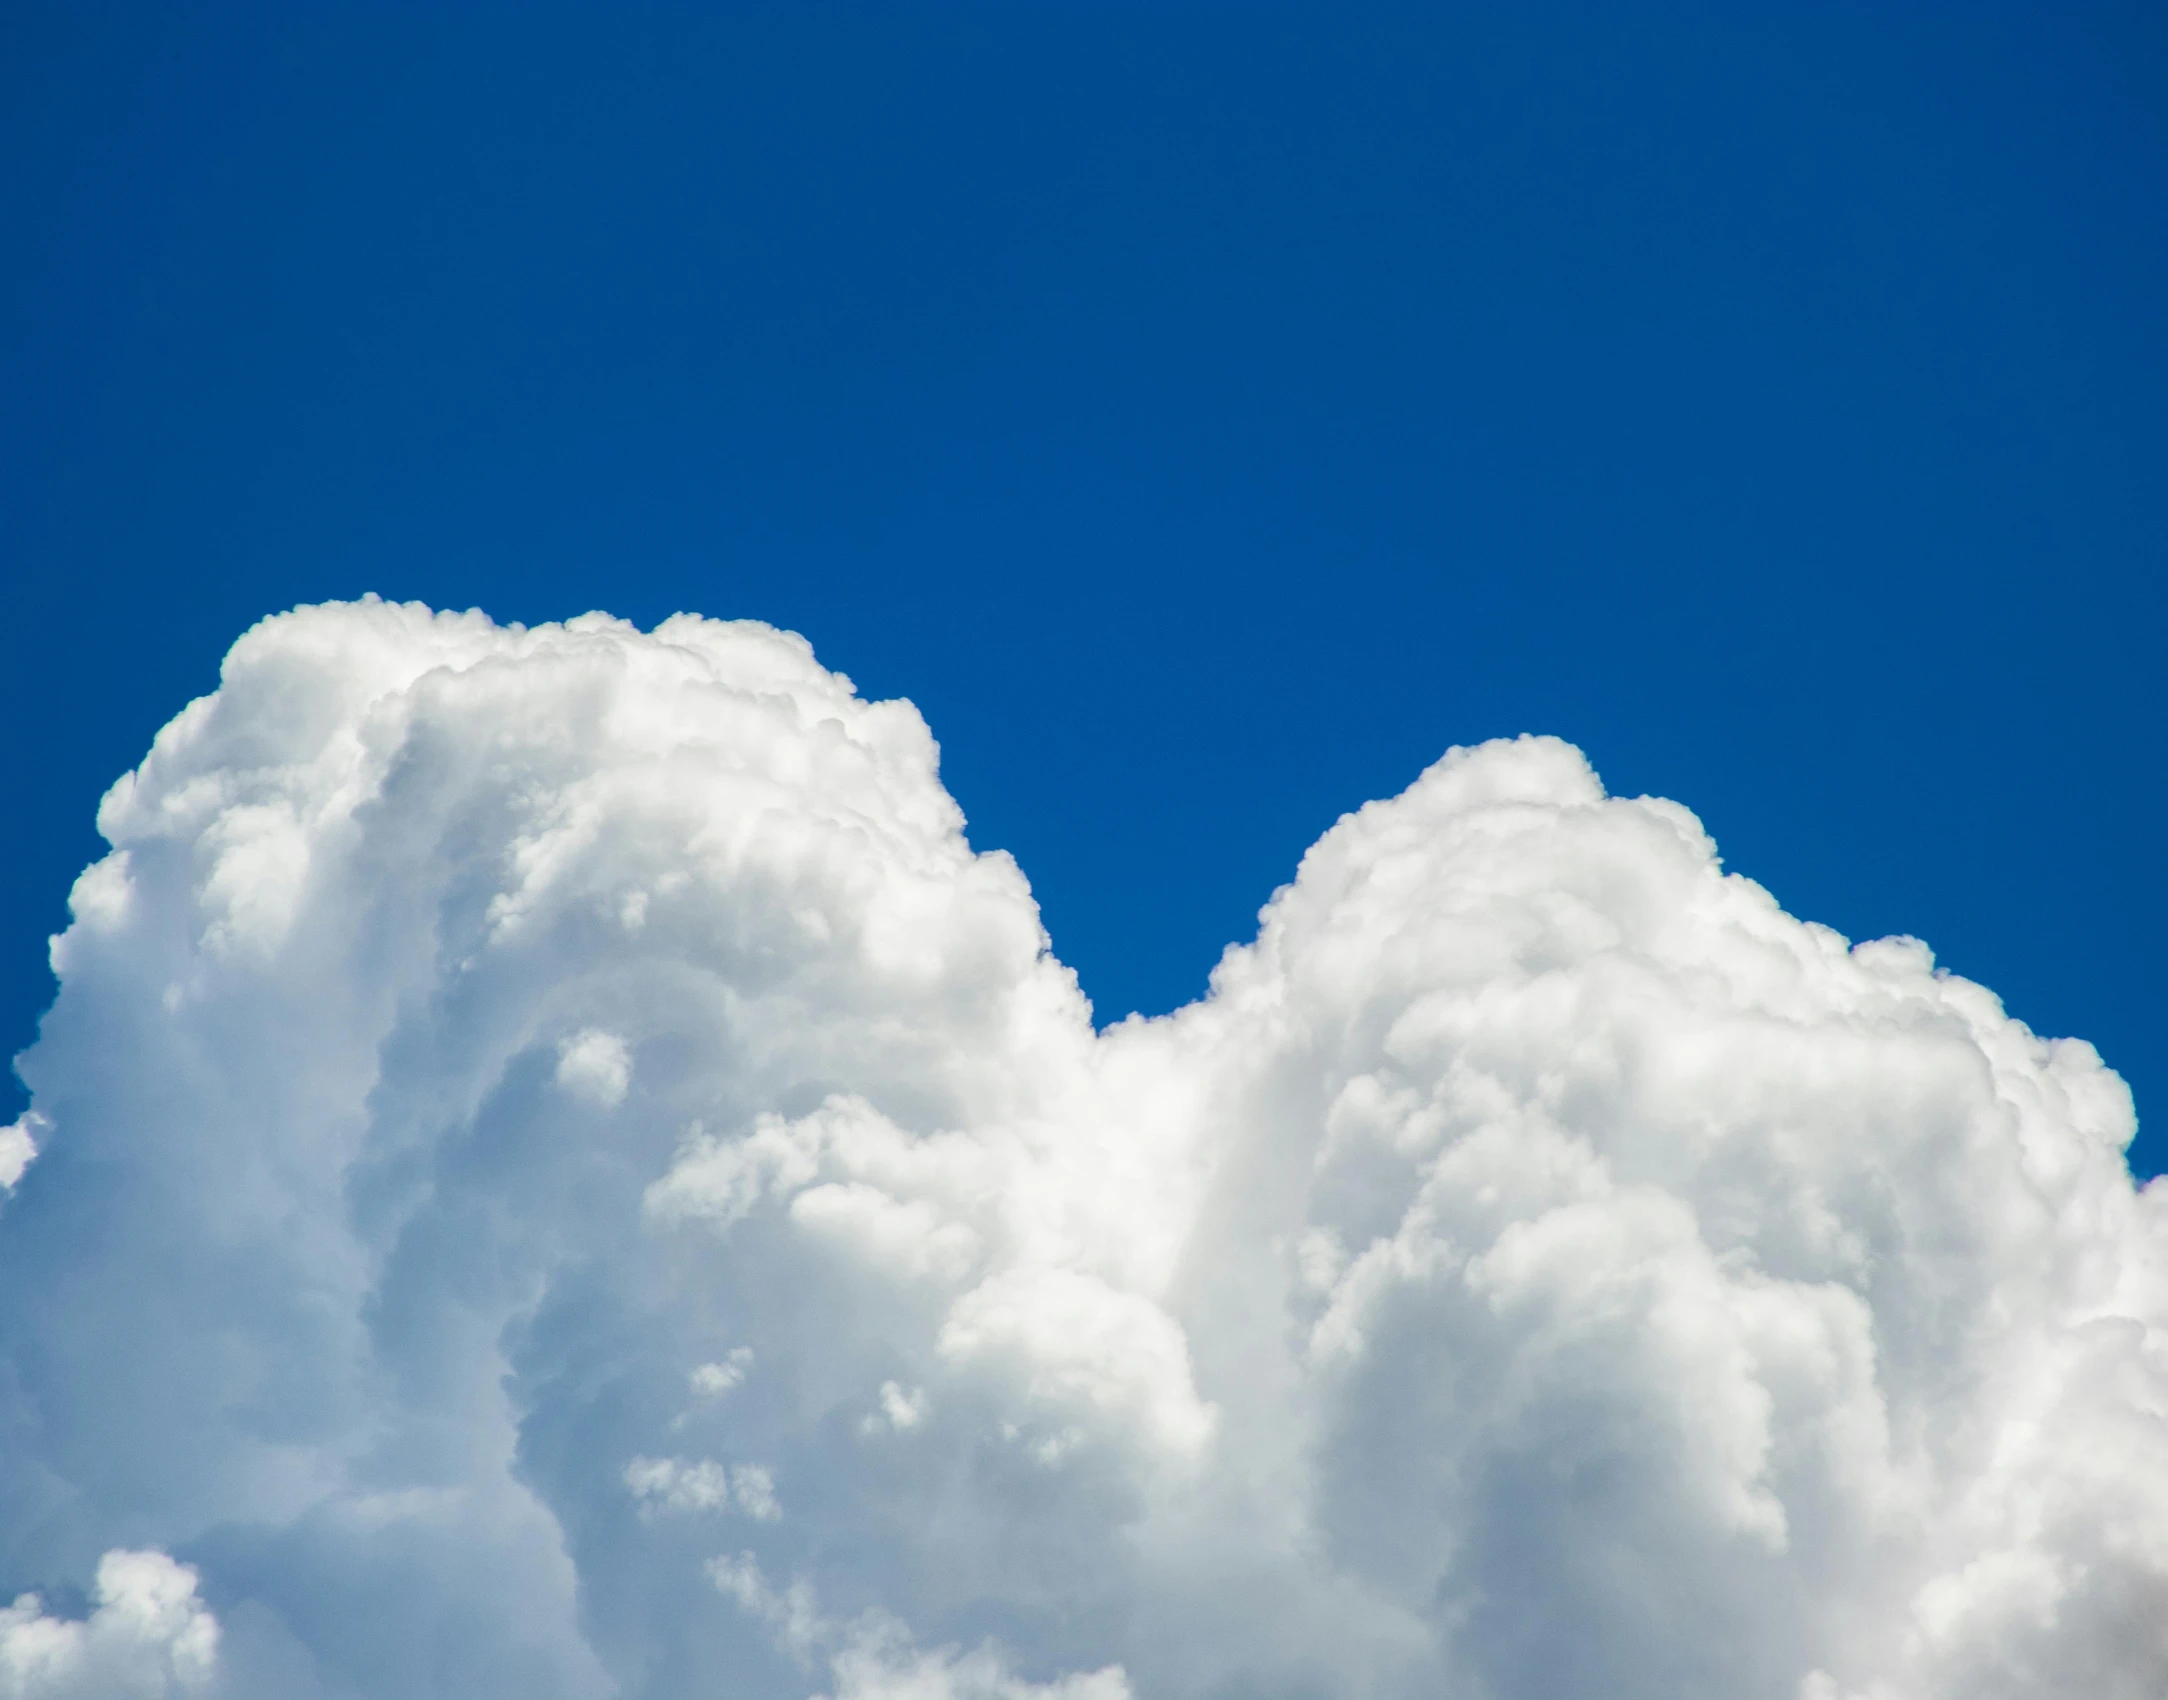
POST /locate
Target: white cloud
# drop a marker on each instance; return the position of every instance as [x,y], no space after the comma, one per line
[1540,1265]
[901,1408]
[19,1142]
[147,1637]
[873,1657]
[596,1066]
[753,1487]
[711,1381]
[674,1485]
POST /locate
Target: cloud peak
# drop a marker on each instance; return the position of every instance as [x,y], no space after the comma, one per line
[559,1172]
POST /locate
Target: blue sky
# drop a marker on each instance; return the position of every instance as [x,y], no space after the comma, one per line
[1206,415]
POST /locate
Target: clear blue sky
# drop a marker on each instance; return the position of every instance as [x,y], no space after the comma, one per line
[1205,414]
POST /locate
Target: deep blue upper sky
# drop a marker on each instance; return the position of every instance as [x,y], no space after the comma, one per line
[1205,414]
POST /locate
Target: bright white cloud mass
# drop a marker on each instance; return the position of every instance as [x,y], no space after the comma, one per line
[556,1171]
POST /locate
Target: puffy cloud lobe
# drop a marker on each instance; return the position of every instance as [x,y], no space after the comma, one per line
[595,1066]
[874,1658]
[18,1145]
[553,1140]
[147,1637]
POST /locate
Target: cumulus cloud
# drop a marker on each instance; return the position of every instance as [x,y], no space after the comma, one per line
[595,1066]
[147,1636]
[874,1658]
[714,1380]
[18,1145]
[559,1172]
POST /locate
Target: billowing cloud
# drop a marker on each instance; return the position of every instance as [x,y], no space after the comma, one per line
[18,1145]
[146,1635]
[556,1171]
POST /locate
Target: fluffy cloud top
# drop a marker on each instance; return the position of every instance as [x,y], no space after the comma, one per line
[557,1171]
[148,1635]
